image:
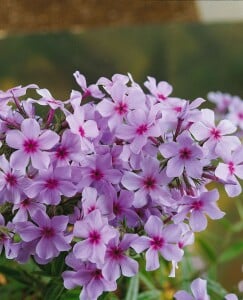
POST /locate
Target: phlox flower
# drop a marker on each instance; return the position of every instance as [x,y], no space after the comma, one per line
[199,291]
[161,239]
[230,170]
[97,171]
[183,154]
[26,207]
[123,100]
[198,206]
[91,201]
[49,234]
[116,260]
[12,182]
[140,126]
[86,130]
[95,234]
[31,144]
[149,182]
[160,91]
[68,150]
[48,186]
[88,276]
[216,138]
[123,209]
[91,90]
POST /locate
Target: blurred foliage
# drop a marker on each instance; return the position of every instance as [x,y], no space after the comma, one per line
[195,59]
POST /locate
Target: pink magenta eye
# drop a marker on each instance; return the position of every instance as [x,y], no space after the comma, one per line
[30,146]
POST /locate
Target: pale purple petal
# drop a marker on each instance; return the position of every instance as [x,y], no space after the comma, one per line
[140,244]
[67,188]
[175,167]
[111,270]
[154,226]
[40,160]
[129,267]
[239,171]
[15,139]
[199,288]
[222,171]
[131,181]
[27,231]
[48,139]
[171,252]
[152,260]
[105,108]
[19,160]
[138,143]
[30,128]
[90,129]
[226,127]
[233,190]
[182,295]
[45,249]
[198,221]
[168,149]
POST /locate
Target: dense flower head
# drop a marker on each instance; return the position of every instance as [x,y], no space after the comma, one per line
[110,174]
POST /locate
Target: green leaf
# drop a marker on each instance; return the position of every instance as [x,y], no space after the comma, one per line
[54,290]
[215,288]
[146,280]
[231,252]
[132,293]
[15,274]
[239,206]
[149,295]
[207,249]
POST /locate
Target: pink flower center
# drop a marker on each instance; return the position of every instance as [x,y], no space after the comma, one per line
[117,209]
[91,208]
[197,205]
[157,242]
[81,131]
[47,232]
[185,153]
[26,202]
[240,115]
[121,108]
[177,109]
[97,174]
[231,167]
[142,129]
[149,183]
[115,252]
[94,237]
[11,179]
[97,275]
[161,97]
[61,152]
[216,134]
[3,237]
[30,146]
[51,183]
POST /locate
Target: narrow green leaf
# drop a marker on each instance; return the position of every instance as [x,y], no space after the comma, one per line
[231,252]
[216,288]
[147,281]
[149,295]
[132,293]
[207,249]
[54,290]
[15,274]
[239,206]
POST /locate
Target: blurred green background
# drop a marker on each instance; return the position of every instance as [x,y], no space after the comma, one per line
[194,58]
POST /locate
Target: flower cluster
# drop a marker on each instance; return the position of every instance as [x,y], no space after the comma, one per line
[108,174]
